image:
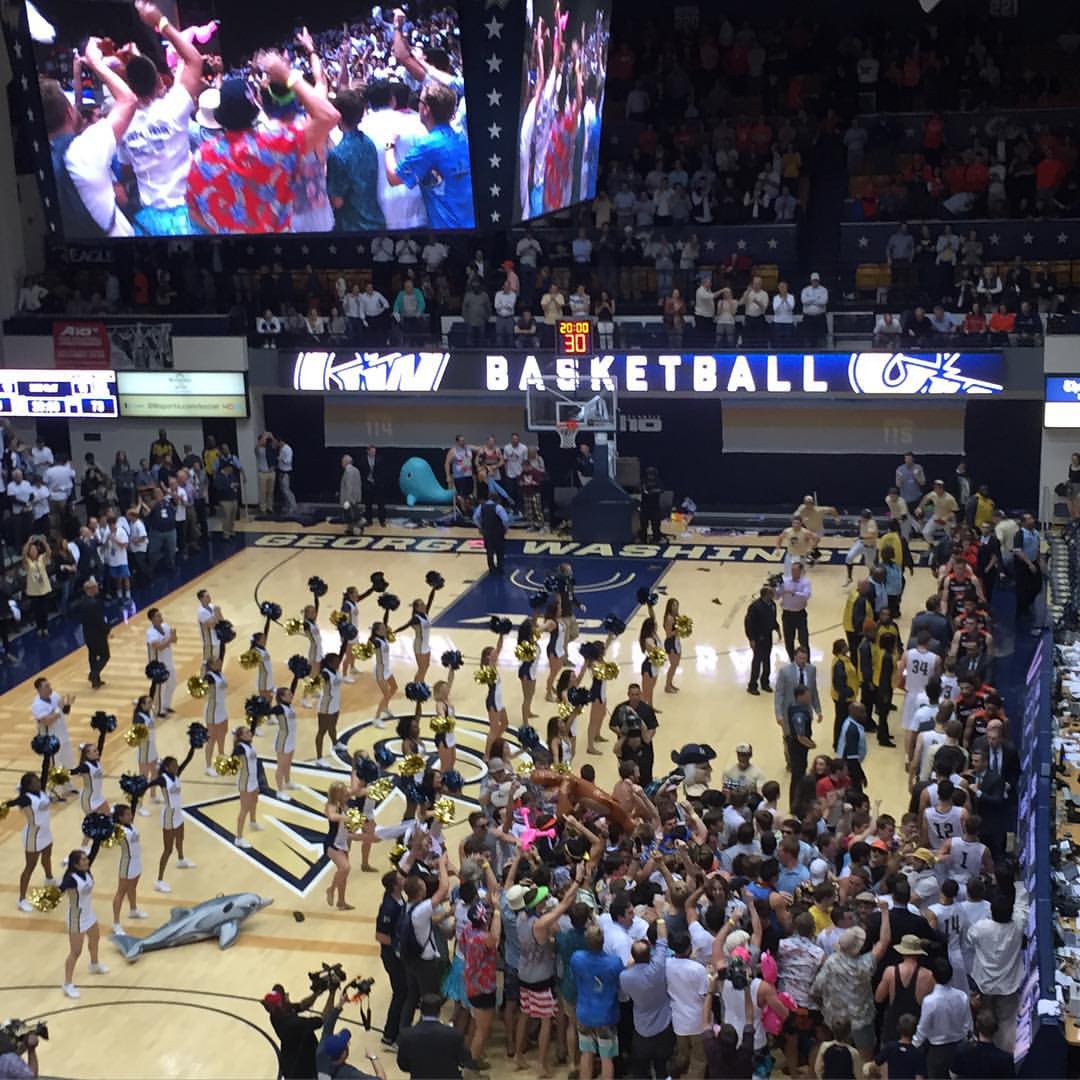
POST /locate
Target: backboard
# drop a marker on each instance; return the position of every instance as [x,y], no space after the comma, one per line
[590,404]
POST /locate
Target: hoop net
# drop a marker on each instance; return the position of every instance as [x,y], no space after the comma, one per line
[567,433]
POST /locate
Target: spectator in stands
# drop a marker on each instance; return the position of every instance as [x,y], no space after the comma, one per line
[975,323]
[582,249]
[942,324]
[919,326]
[268,327]
[704,305]
[475,313]
[887,329]
[553,304]
[409,310]
[988,287]
[783,324]
[754,302]
[353,306]
[786,205]
[900,254]
[674,311]
[352,170]
[580,303]
[526,332]
[726,307]
[971,251]
[374,307]
[1028,326]
[505,303]
[662,253]
[1049,176]
[815,303]
[1002,324]
[605,320]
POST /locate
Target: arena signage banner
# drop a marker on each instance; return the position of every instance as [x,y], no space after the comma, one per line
[652,374]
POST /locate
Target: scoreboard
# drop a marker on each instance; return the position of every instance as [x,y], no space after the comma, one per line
[573,337]
[47,392]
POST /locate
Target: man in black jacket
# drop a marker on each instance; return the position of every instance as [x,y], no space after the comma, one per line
[296,1033]
[760,624]
[432,1050]
[374,487]
[991,804]
[89,609]
[902,921]
[935,624]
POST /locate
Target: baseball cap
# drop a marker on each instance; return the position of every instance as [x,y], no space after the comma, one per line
[815,276]
[333,1046]
[925,855]
[515,897]
[273,1000]
[744,748]
[880,845]
[819,871]
[536,896]
[866,898]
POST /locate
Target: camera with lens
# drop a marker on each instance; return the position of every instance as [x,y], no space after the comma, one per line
[736,973]
[14,1033]
[360,987]
[774,581]
[328,977]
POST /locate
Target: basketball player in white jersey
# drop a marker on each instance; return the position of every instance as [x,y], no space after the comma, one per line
[950,920]
[917,668]
[208,615]
[942,820]
[796,542]
[964,857]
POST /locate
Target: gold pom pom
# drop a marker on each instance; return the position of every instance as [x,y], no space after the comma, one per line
[605,670]
[354,819]
[313,684]
[4,810]
[136,735]
[249,659]
[391,637]
[198,686]
[412,764]
[485,675]
[114,837]
[380,789]
[396,852]
[445,809]
[226,765]
[566,710]
[293,627]
[657,657]
[684,626]
[363,650]
[440,725]
[44,898]
[58,776]
[337,618]
[563,767]
[527,651]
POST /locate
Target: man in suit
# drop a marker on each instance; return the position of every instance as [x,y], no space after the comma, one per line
[902,920]
[988,790]
[1001,755]
[935,624]
[800,672]
[492,520]
[374,488]
[90,611]
[350,492]
[760,624]
[432,1050]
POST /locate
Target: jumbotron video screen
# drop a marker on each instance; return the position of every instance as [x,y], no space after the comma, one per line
[254,120]
[562,101]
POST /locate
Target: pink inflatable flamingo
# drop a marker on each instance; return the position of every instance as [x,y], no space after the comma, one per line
[191,34]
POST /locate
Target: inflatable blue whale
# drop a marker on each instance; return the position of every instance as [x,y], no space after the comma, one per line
[418,484]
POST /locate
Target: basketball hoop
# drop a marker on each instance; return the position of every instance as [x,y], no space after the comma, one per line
[567,433]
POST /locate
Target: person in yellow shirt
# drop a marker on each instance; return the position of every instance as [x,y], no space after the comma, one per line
[813,518]
[210,455]
[983,513]
[796,542]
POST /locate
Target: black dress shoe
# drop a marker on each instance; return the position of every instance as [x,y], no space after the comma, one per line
[766,687]
[886,741]
[753,690]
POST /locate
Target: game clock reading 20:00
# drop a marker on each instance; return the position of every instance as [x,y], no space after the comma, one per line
[58,393]
[575,337]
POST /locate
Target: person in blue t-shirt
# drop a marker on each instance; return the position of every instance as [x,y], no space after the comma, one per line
[439,163]
[596,974]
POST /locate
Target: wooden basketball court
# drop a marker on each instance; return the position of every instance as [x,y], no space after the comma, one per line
[194,1011]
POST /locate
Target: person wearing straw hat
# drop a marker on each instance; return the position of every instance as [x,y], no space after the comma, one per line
[204,124]
[903,986]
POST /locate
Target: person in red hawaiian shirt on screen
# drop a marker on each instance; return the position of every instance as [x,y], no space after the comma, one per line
[244,180]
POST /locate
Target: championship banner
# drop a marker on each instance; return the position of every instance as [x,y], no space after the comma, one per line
[80,345]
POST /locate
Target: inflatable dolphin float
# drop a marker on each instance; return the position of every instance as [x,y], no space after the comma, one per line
[419,485]
[220,918]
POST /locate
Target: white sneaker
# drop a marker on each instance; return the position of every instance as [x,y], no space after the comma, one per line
[143,812]
[138,913]
[282,796]
[256,826]
[349,678]
[51,881]
[210,771]
[241,842]
[25,905]
[324,763]
[162,886]
[340,747]
[290,786]
[70,990]
[379,721]
[185,864]
[98,969]
[117,928]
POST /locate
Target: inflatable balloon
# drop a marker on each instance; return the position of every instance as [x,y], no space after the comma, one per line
[420,485]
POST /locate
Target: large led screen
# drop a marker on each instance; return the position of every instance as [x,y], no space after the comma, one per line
[562,100]
[252,123]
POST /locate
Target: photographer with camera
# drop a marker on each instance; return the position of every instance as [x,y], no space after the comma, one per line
[296,1033]
[16,1040]
[331,1060]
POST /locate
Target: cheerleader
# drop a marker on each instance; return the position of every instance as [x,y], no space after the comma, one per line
[445,741]
[337,843]
[92,797]
[350,607]
[130,867]
[408,730]
[309,618]
[358,794]
[37,834]
[672,644]
[172,816]
[384,678]
[208,615]
[568,679]
[496,709]
[264,671]
[420,624]
[558,738]
[329,704]
[285,743]
[554,625]
[160,638]
[527,668]
[82,924]
[648,640]
[146,755]
[597,701]
[50,712]
[247,783]
[216,717]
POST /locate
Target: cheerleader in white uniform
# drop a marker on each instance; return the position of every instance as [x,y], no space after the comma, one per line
[648,639]
[37,833]
[50,712]
[146,753]
[160,638]
[130,869]
[337,843]
[554,625]
[597,701]
[82,924]
[672,644]
[172,816]
[92,797]
[208,616]
[264,671]
[527,668]
[247,783]
[558,737]
[496,708]
[350,607]
[445,742]
[328,708]
[420,624]
[309,617]
[285,742]
[384,677]
[217,717]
